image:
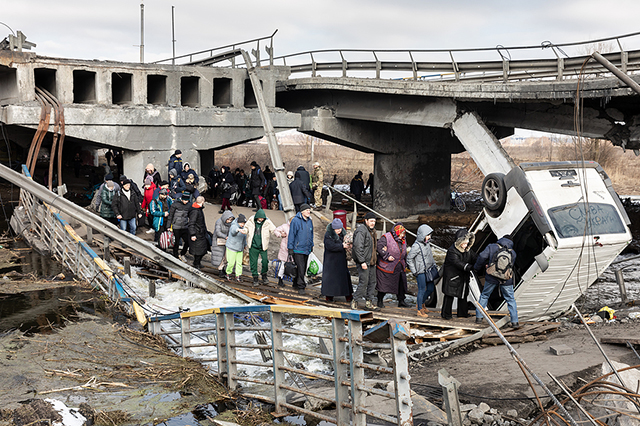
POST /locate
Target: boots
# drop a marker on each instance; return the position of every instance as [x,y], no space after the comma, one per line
[255,281]
[265,280]
[280,282]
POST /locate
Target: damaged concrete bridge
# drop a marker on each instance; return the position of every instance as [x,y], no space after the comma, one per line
[412,125]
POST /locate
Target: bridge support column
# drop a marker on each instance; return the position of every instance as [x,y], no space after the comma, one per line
[411,182]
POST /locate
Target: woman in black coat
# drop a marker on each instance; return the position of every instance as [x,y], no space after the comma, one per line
[226,184]
[336,280]
[198,244]
[456,274]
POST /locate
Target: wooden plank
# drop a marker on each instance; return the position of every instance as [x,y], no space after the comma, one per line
[620,340]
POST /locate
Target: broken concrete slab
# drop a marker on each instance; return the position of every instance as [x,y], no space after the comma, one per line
[561,349]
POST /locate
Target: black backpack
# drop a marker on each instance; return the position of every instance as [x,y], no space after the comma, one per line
[501,265]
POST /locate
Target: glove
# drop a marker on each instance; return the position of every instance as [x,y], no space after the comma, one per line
[467,267]
[290,252]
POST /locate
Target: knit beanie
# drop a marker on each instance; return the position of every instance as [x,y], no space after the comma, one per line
[336,224]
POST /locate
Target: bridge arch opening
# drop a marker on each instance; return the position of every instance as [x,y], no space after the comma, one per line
[190,91]
[157,89]
[222,92]
[8,84]
[45,78]
[121,88]
[250,97]
[84,87]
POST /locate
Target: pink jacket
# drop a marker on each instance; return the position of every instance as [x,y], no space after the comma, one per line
[282,231]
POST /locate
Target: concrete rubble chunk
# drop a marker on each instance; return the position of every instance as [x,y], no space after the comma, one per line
[487,418]
[467,407]
[561,349]
[476,416]
[484,407]
[512,413]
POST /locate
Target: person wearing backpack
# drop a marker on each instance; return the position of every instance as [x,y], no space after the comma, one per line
[497,261]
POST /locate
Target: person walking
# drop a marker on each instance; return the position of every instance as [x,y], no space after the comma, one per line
[258,181]
[227,186]
[178,220]
[456,273]
[107,195]
[159,213]
[175,162]
[126,206]
[282,231]
[219,241]
[421,264]
[336,280]
[300,244]
[199,245]
[364,254]
[357,186]
[213,179]
[150,170]
[390,274]
[299,191]
[176,184]
[236,243]
[317,182]
[306,178]
[148,188]
[259,229]
[497,261]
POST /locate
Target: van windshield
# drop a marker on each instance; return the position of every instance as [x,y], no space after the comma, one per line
[569,220]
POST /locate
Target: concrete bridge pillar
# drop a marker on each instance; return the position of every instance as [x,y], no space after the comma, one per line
[412,164]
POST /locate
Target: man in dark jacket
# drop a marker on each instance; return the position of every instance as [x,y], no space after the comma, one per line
[364,254]
[304,175]
[300,191]
[198,246]
[257,182]
[134,187]
[357,186]
[178,220]
[300,244]
[212,180]
[175,162]
[456,273]
[126,206]
[486,257]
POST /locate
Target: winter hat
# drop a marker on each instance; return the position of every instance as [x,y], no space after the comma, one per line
[110,184]
[254,164]
[177,152]
[336,224]
[260,214]
[186,163]
[370,215]
[173,172]
[126,181]
[316,164]
[148,180]
[305,206]
[186,195]
[241,218]
[123,177]
[108,176]
[164,191]
[289,173]
[150,167]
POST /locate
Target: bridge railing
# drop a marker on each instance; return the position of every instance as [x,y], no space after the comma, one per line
[275,345]
[452,65]
[225,53]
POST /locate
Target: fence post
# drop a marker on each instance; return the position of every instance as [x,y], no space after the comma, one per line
[450,396]
[358,396]
[230,340]
[221,346]
[354,219]
[107,254]
[401,379]
[621,286]
[185,336]
[89,234]
[278,361]
[343,414]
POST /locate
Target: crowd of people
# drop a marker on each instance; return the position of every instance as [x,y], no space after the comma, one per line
[177,206]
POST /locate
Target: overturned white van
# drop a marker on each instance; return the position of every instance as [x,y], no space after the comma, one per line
[567,224]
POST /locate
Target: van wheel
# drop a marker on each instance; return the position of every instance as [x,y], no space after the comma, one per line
[494,193]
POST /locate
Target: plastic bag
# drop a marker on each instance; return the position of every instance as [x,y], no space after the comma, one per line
[314,266]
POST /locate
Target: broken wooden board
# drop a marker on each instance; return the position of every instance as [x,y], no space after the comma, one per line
[620,340]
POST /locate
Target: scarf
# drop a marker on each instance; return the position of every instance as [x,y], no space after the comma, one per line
[398,229]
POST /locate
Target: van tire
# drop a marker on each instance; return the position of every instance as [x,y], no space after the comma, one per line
[494,193]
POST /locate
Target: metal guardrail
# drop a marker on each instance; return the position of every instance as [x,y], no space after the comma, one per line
[347,358]
[224,53]
[559,66]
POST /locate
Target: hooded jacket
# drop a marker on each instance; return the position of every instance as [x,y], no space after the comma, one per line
[363,246]
[237,240]
[300,191]
[485,257]
[282,231]
[457,265]
[178,215]
[420,257]
[221,231]
[304,175]
[266,230]
[300,235]
[197,228]
[157,209]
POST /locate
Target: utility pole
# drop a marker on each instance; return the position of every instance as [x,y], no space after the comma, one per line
[173,35]
[141,33]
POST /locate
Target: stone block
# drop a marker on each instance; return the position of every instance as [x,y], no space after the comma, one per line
[561,350]
[484,407]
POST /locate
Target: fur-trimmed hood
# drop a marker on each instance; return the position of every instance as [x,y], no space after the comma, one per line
[463,235]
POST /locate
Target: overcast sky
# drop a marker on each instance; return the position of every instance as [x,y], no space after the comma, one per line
[110,29]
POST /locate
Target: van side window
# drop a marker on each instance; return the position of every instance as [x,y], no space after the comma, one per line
[570,220]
